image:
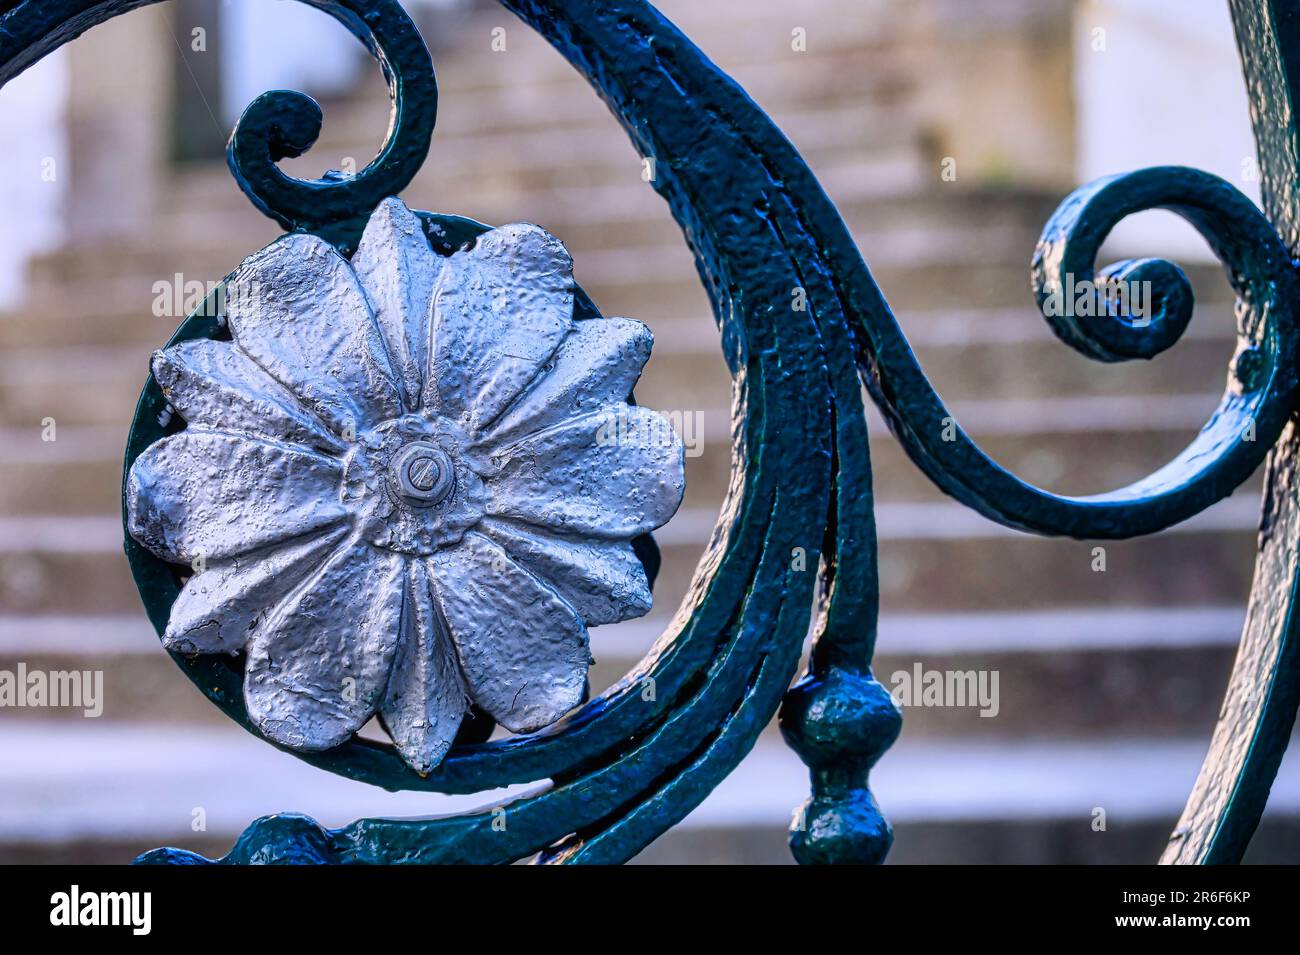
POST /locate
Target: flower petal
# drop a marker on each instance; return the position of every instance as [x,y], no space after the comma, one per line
[216,385]
[297,308]
[398,269]
[426,698]
[318,666]
[219,605]
[602,580]
[614,474]
[522,648]
[597,363]
[499,311]
[210,495]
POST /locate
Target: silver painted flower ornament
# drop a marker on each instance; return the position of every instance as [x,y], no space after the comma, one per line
[410,482]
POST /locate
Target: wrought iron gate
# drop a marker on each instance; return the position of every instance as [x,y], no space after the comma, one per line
[623,768]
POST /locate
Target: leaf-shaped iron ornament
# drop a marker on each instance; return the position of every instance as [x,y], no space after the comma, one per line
[408,484]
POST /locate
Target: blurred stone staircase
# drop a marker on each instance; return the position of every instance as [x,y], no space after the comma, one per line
[1109,681]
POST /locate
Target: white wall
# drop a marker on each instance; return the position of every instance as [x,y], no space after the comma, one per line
[33,147]
[290,45]
[1166,89]
[286,45]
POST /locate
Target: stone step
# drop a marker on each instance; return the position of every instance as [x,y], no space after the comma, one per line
[75,385]
[612,229]
[846,54]
[943,555]
[589,207]
[1072,445]
[1031,792]
[741,43]
[952,842]
[985,372]
[974,842]
[872,53]
[931,555]
[545,176]
[98,384]
[622,234]
[120,310]
[873,92]
[934,288]
[1154,671]
[867,22]
[961,803]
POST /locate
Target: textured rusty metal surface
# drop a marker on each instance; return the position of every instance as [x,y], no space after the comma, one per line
[403,511]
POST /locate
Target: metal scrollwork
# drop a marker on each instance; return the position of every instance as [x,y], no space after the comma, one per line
[624,767]
[282,124]
[1262,379]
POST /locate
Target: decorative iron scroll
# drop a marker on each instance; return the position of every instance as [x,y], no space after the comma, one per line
[624,768]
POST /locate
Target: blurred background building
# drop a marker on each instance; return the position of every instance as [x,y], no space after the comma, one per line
[946,131]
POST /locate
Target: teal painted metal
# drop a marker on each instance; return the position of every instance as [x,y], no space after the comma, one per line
[625,768]
[1259,709]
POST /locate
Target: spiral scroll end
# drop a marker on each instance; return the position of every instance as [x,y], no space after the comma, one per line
[1133,309]
[288,122]
[283,124]
[280,124]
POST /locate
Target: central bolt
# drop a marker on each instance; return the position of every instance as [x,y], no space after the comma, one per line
[423,473]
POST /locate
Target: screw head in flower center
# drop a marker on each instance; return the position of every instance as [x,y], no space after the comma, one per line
[422,473]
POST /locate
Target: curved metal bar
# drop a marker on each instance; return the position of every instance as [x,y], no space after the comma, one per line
[1259,709]
[1262,379]
[281,123]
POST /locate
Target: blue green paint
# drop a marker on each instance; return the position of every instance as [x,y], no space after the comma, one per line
[625,767]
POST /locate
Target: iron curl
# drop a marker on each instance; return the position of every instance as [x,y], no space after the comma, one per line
[1261,381]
